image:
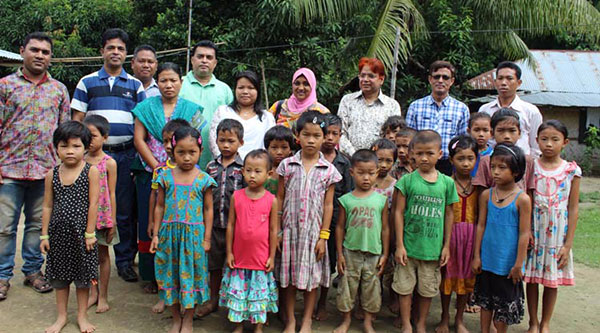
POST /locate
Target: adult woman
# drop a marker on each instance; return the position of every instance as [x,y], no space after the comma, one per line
[303,98]
[247,109]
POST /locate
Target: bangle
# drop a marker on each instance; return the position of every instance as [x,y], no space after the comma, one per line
[280,213]
[89,235]
[44,237]
[280,234]
[324,234]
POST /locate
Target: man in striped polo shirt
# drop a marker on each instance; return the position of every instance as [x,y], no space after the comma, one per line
[112,93]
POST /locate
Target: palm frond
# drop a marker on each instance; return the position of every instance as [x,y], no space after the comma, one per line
[319,10]
[511,46]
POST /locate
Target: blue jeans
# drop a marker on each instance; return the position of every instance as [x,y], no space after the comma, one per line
[16,196]
[126,250]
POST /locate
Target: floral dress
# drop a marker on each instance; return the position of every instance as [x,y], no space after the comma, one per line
[550,225]
[180,261]
[105,217]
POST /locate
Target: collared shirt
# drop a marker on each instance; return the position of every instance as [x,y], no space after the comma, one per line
[152,89]
[209,96]
[228,180]
[94,95]
[29,114]
[530,119]
[342,164]
[362,122]
[449,119]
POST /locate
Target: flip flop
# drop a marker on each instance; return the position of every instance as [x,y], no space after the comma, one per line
[4,286]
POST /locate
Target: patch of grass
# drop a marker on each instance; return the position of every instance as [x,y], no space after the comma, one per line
[586,247]
[589,197]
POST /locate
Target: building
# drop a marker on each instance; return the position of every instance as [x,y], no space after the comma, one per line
[10,59]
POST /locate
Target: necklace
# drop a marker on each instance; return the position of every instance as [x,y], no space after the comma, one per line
[465,189]
[501,200]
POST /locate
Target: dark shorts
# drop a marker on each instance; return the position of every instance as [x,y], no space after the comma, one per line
[499,294]
[218,249]
[62,284]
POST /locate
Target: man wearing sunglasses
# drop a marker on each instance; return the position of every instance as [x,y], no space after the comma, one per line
[440,111]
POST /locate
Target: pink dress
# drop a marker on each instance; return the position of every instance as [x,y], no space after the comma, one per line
[105,219]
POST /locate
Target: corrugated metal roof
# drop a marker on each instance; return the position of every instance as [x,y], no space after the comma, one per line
[564,99]
[10,56]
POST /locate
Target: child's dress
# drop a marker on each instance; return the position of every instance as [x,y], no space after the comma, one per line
[180,261]
[105,217]
[388,192]
[550,225]
[457,275]
[301,222]
[67,259]
[247,290]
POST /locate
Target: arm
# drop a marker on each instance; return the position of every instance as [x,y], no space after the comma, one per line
[212,132]
[208,218]
[159,212]
[111,173]
[47,210]
[139,141]
[385,239]
[524,206]
[229,234]
[481,220]
[78,115]
[280,200]
[401,256]
[151,207]
[448,220]
[340,233]
[273,231]
[345,143]
[573,209]
[536,121]
[94,193]
[327,213]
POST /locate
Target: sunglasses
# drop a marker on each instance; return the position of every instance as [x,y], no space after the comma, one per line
[438,76]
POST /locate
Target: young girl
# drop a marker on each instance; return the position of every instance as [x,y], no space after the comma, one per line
[501,240]
[106,226]
[555,212]
[306,188]
[248,288]
[457,275]
[184,205]
[69,222]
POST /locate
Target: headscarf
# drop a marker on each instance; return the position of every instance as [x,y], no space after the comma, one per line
[296,106]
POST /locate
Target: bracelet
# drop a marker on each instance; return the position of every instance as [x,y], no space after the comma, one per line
[44,237]
[280,213]
[324,234]
[280,234]
[89,235]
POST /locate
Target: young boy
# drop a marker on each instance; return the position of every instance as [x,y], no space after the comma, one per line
[226,170]
[278,141]
[423,219]
[480,128]
[362,242]
[342,164]
[392,126]
[402,140]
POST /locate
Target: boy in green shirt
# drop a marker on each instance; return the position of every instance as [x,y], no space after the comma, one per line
[423,219]
[362,242]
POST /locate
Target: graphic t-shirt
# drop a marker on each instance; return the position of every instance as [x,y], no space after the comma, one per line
[424,213]
[363,221]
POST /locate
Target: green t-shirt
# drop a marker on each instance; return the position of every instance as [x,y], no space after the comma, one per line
[271,185]
[363,221]
[424,213]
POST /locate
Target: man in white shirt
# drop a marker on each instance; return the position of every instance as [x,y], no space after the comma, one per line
[507,81]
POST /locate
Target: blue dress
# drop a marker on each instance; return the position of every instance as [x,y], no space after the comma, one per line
[180,262]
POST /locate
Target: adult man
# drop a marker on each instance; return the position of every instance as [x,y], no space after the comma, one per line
[440,111]
[32,105]
[112,93]
[507,81]
[144,65]
[202,87]
[364,112]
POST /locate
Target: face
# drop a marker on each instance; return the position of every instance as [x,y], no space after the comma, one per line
[311,138]
[364,174]
[36,56]
[114,52]
[501,172]
[506,82]
[71,151]
[301,88]
[97,139]
[440,81]
[204,62]
[464,161]
[332,138]
[386,161]
[369,81]
[278,150]
[186,153]
[256,171]
[228,143]
[167,141]
[169,83]
[402,143]
[426,155]
[507,131]
[551,142]
[390,134]
[481,131]
[245,92]
[144,65]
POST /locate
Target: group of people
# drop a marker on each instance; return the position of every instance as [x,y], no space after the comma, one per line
[230,205]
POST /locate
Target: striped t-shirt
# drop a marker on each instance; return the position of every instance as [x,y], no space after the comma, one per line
[94,95]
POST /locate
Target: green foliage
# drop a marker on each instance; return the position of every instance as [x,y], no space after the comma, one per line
[592,144]
[587,237]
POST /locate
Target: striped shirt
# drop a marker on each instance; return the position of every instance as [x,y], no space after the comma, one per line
[94,95]
[152,90]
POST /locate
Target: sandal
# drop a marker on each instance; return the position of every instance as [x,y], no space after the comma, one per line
[37,282]
[4,286]
[151,288]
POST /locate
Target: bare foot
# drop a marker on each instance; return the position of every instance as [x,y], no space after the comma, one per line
[472,309]
[533,328]
[394,307]
[545,328]
[442,327]
[290,326]
[258,328]
[359,313]
[407,329]
[421,329]
[368,327]
[57,326]
[397,322]
[343,327]
[205,309]
[102,306]
[460,327]
[93,298]
[239,328]
[187,327]
[306,326]
[84,325]
[159,307]
[321,313]
[176,327]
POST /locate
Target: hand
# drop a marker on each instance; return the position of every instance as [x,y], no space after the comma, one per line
[1,180]
[341,264]
[531,241]
[206,245]
[515,274]
[150,230]
[445,256]
[154,244]
[476,266]
[320,249]
[279,241]
[89,243]
[401,256]
[44,246]
[230,261]
[110,233]
[381,265]
[269,265]
[563,256]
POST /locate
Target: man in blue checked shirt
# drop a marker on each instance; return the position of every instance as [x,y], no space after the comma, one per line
[440,111]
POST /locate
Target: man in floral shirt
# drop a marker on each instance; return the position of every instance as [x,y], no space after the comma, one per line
[32,105]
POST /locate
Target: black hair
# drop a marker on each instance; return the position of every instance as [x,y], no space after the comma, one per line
[462,142]
[37,36]
[168,66]
[311,117]
[72,130]
[115,33]
[255,80]
[184,132]
[99,122]
[144,47]
[333,120]
[174,124]
[279,132]
[511,65]
[427,137]
[205,43]
[513,156]
[231,125]
[406,132]
[505,114]
[364,155]
[260,154]
[392,123]
[557,125]
[385,144]
[479,115]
